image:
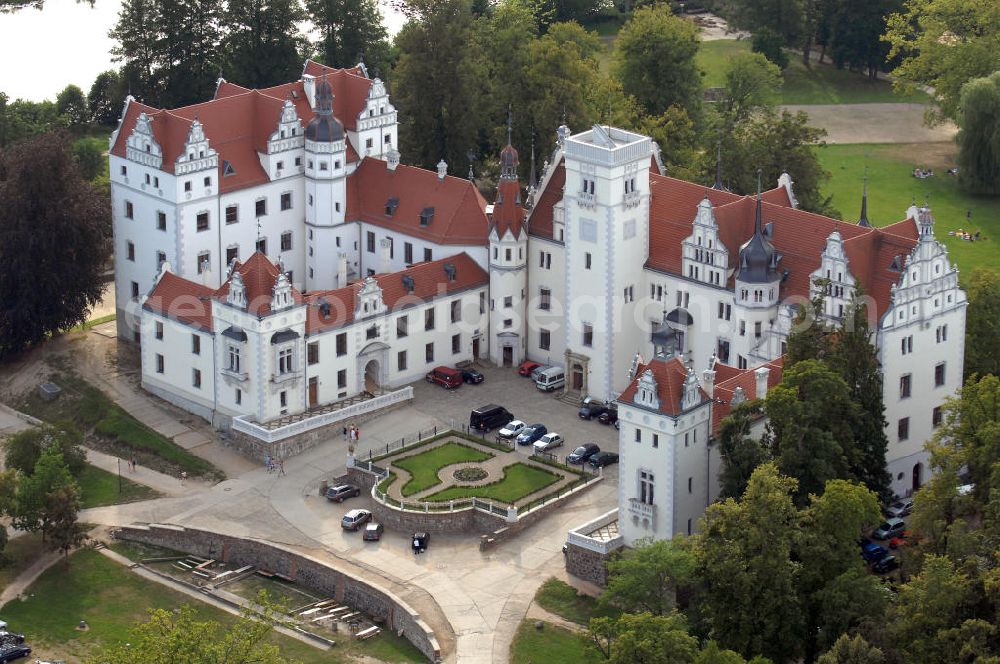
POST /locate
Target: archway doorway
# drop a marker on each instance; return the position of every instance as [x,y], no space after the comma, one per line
[918,470]
[508,356]
[372,377]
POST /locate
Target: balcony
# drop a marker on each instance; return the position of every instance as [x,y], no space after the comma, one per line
[235,375]
[632,199]
[642,510]
[586,200]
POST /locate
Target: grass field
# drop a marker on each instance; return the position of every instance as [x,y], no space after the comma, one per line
[550,645]
[424,467]
[91,410]
[19,554]
[891,187]
[111,599]
[99,487]
[560,598]
[519,480]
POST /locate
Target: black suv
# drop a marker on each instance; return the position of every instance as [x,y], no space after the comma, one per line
[341,492]
[9,653]
[591,408]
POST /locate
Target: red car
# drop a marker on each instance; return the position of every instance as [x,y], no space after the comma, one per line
[899,540]
[446,377]
[527,367]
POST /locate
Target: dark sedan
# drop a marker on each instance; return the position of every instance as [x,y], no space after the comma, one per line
[11,652]
[592,409]
[609,416]
[472,376]
[602,459]
[530,434]
[582,453]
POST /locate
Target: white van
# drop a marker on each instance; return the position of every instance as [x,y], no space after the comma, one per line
[551,379]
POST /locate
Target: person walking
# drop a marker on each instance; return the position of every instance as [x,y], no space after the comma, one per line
[134,462]
[281,466]
[184,477]
[267,462]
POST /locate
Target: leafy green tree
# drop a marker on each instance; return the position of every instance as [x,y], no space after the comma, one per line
[350,31]
[25,448]
[262,46]
[752,82]
[72,103]
[9,6]
[944,44]
[136,36]
[646,578]
[62,532]
[744,559]
[982,323]
[169,637]
[741,453]
[438,85]
[811,337]
[784,18]
[53,225]
[713,654]
[849,602]
[849,650]
[978,139]
[89,157]
[23,119]
[188,50]
[654,58]
[811,418]
[8,490]
[644,637]
[856,29]
[106,98]
[770,44]
[31,504]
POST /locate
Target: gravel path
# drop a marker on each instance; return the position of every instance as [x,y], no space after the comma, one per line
[875,123]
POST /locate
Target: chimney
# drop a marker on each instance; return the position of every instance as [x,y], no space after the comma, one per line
[341,270]
[392,159]
[761,374]
[442,169]
[384,265]
[708,381]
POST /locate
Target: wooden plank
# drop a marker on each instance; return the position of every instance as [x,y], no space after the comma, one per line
[348,616]
[339,609]
[243,569]
[205,564]
[184,564]
[367,633]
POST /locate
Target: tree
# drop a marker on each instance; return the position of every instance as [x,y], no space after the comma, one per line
[644,637]
[770,44]
[654,58]
[32,509]
[22,119]
[752,82]
[188,50]
[262,45]
[24,449]
[646,578]
[713,654]
[438,83]
[54,250]
[137,38]
[741,453]
[982,323]
[72,103]
[811,418]
[856,29]
[169,637]
[9,6]
[89,157]
[350,31]
[978,139]
[106,97]
[852,651]
[810,338]
[744,559]
[61,531]
[783,18]
[943,44]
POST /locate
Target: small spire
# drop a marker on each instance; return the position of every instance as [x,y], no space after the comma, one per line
[532,180]
[863,221]
[510,123]
[472,174]
[718,167]
[757,216]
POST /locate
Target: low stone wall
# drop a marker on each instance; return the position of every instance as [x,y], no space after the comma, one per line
[586,564]
[300,568]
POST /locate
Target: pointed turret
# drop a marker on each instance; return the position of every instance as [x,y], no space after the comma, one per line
[718,168]
[863,221]
[758,258]
[508,211]
[324,127]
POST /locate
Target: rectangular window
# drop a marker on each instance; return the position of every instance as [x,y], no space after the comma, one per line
[482,303]
[544,339]
[342,379]
[284,361]
[456,311]
[135,290]
[286,201]
[429,352]
[408,253]
[161,221]
[196,344]
[234,358]
[429,319]
[260,207]
[757,329]
[545,299]
[129,210]
[690,484]
[207,181]
[187,186]
[939,375]
[342,344]
[196,378]
[232,214]
[645,488]
[903,429]
[370,242]
[312,353]
[743,328]
[130,251]
[401,360]
[283,399]
[402,327]
[508,323]
[204,261]
[428,255]
[202,221]
[239,396]
[508,302]
[124,170]
[232,253]
[262,245]
[286,241]
[159,330]
[456,344]
[904,386]
[656,440]
[936,417]
[371,333]
[159,363]
[586,261]
[588,335]
[638,435]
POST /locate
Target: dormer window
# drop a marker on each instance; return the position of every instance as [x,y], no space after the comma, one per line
[647,393]
[390,206]
[426,216]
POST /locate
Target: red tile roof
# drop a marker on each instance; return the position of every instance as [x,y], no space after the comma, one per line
[258,274]
[670,375]
[508,212]
[459,208]
[540,220]
[182,300]
[728,378]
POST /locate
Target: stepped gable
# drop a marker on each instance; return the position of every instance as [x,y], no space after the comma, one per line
[182,300]
[429,280]
[459,210]
[540,221]
[670,374]
[746,379]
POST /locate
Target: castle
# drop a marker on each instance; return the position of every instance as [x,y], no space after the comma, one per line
[273,257]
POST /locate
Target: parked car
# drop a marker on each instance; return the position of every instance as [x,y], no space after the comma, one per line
[582,453]
[591,408]
[489,417]
[472,376]
[419,542]
[549,441]
[539,370]
[10,638]
[355,519]
[889,529]
[11,652]
[527,367]
[342,492]
[549,379]
[373,532]
[899,509]
[602,459]
[531,433]
[899,540]
[512,429]
[872,552]
[609,416]
[446,377]
[885,565]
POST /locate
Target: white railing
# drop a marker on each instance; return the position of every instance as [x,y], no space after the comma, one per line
[244,425]
[586,199]
[641,509]
[603,546]
[632,199]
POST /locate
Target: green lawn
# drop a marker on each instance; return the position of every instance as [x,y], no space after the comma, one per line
[93,322]
[111,599]
[891,186]
[713,56]
[99,487]
[19,554]
[424,467]
[562,599]
[91,410]
[519,481]
[551,645]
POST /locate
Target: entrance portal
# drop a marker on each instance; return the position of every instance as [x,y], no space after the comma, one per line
[475,349]
[508,356]
[372,377]
[313,391]
[577,377]
[918,470]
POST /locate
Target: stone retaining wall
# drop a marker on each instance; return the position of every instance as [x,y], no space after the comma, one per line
[313,574]
[586,564]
